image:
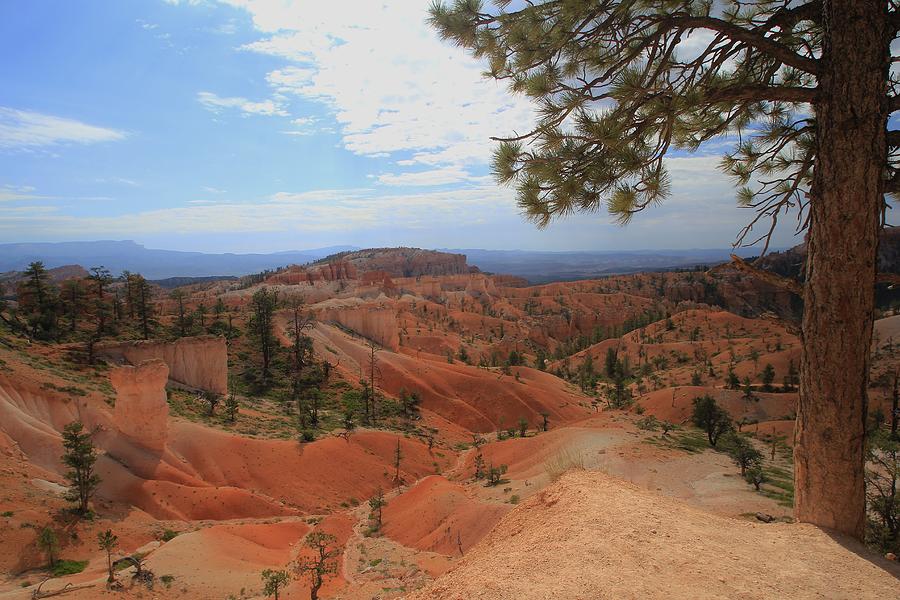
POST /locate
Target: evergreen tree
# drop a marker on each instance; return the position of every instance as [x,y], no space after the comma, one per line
[72,296]
[108,542]
[79,456]
[181,321]
[143,305]
[38,301]
[801,87]
[376,504]
[711,418]
[768,376]
[262,311]
[273,582]
[322,564]
[49,543]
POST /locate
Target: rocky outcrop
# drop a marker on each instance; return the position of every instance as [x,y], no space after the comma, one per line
[338,270]
[141,411]
[197,362]
[409,262]
[373,323]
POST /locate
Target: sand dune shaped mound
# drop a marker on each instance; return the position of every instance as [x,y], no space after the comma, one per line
[439,516]
[594,536]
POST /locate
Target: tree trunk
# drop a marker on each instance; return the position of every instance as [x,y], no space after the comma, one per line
[839,294]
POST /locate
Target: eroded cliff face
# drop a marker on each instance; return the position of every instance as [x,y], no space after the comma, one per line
[141,411]
[197,362]
[374,323]
[409,262]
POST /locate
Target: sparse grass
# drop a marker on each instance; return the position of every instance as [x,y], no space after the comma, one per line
[66,389]
[779,485]
[565,460]
[692,441]
[68,567]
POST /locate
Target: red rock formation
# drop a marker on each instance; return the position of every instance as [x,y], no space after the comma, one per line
[409,262]
[141,411]
[333,271]
[197,362]
[373,323]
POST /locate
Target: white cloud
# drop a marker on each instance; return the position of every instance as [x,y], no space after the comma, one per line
[27,129]
[216,104]
[390,83]
[443,176]
[117,181]
[7,195]
[213,190]
[338,211]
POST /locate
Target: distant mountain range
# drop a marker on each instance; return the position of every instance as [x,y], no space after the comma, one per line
[118,256]
[543,267]
[536,266]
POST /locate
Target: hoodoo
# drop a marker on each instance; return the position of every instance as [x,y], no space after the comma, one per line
[141,411]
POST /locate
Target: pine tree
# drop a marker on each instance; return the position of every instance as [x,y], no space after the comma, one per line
[108,542]
[49,543]
[322,564]
[79,457]
[801,87]
[38,301]
[376,504]
[273,582]
[181,322]
[262,311]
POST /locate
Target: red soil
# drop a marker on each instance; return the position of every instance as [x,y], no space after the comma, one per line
[434,512]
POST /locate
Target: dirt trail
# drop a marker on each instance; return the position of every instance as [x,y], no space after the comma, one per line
[360,514]
[591,535]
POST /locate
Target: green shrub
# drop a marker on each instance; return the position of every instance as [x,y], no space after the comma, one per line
[169,535]
[68,567]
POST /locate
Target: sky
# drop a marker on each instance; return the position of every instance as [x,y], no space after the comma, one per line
[270,125]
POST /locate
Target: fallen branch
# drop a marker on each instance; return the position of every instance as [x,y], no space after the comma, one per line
[784,283]
[37,593]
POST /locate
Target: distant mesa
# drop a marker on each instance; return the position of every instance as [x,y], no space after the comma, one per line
[381,262]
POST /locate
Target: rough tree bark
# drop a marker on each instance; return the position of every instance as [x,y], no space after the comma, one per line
[845,210]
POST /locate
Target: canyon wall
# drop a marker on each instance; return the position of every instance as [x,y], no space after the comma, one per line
[141,411]
[198,362]
[376,324]
[409,262]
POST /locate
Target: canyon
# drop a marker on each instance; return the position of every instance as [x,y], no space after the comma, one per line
[507,378]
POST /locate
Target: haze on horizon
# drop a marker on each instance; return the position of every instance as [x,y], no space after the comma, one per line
[261,126]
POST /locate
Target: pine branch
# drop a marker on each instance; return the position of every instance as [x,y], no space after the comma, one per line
[762,43]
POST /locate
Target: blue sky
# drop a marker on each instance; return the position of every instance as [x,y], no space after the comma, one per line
[266,125]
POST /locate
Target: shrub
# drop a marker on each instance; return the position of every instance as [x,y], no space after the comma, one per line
[648,423]
[755,476]
[495,475]
[743,453]
[68,567]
